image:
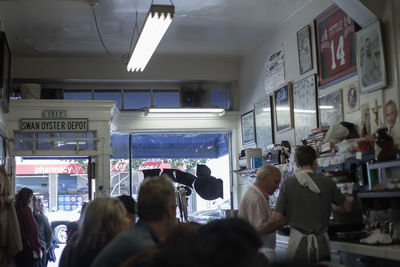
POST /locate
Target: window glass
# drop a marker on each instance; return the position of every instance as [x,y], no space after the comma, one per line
[65,144]
[166,99]
[183,151]
[21,144]
[219,98]
[119,165]
[43,144]
[137,99]
[86,144]
[108,95]
[78,95]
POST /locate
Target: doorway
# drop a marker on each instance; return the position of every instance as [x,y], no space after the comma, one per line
[60,182]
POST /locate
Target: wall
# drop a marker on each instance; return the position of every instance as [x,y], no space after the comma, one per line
[251,82]
[160,68]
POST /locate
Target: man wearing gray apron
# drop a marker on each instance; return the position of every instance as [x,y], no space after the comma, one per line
[305,203]
[254,206]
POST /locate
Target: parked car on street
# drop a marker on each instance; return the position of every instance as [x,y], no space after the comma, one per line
[205,216]
[58,222]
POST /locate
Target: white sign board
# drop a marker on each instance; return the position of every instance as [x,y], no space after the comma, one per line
[274,71]
[54,125]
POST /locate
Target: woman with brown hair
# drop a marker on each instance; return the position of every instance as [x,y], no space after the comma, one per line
[28,228]
[103,219]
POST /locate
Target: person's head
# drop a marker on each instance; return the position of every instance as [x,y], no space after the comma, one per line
[35,204]
[102,220]
[39,205]
[156,200]
[269,178]
[391,113]
[305,156]
[130,206]
[226,242]
[24,197]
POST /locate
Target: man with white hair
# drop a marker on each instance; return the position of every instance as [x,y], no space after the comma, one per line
[255,208]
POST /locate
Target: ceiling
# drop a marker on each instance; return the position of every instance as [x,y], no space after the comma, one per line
[66,28]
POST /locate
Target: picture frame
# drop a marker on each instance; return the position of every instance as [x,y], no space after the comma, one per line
[5,72]
[351,98]
[264,123]
[335,46]
[370,58]
[330,108]
[274,71]
[304,49]
[283,100]
[248,128]
[305,107]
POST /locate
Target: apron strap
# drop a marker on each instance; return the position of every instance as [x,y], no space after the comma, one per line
[294,242]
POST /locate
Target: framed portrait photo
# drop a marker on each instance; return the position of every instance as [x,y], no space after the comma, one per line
[351,98]
[248,129]
[5,72]
[330,108]
[284,108]
[370,58]
[264,123]
[305,107]
[304,49]
[335,42]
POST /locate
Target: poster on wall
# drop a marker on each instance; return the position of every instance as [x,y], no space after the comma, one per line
[391,115]
[274,71]
[351,98]
[304,49]
[284,108]
[264,126]
[305,107]
[370,58]
[330,108]
[248,129]
[335,38]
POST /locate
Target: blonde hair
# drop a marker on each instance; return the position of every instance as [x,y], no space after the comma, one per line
[102,220]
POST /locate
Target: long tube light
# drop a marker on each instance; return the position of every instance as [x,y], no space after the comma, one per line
[156,24]
[187,110]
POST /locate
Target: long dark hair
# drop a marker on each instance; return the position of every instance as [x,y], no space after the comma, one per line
[23,197]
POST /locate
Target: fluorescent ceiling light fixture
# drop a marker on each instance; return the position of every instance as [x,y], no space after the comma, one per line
[187,110]
[326,107]
[156,24]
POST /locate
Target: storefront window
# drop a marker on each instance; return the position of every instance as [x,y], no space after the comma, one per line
[181,151]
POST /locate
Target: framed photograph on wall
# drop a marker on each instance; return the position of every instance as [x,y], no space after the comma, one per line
[330,108]
[284,108]
[305,107]
[370,58]
[264,123]
[5,72]
[248,128]
[304,49]
[274,71]
[351,98]
[335,45]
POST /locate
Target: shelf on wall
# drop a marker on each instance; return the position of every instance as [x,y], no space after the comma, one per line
[385,164]
[379,194]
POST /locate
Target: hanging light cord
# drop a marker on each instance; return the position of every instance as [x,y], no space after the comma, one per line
[136,27]
[98,32]
[124,56]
